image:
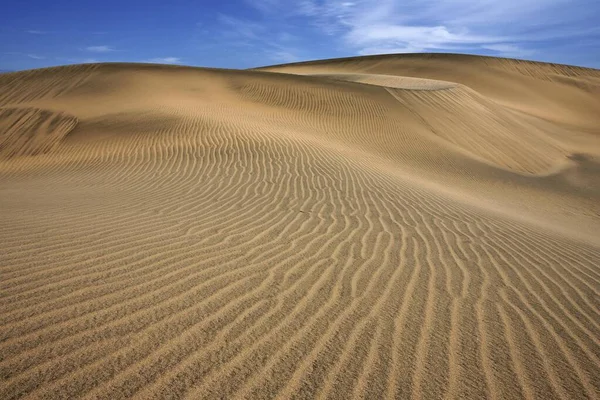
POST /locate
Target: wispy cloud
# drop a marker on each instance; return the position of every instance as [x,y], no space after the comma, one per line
[21,54]
[240,27]
[257,32]
[282,56]
[100,49]
[386,26]
[164,60]
[408,26]
[269,41]
[509,50]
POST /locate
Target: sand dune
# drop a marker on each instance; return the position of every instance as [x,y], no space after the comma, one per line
[29,131]
[415,226]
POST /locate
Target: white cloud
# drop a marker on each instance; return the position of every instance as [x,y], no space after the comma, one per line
[100,49]
[36,32]
[421,36]
[36,57]
[164,60]
[366,26]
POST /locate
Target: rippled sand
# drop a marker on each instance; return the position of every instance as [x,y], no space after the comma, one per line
[418,226]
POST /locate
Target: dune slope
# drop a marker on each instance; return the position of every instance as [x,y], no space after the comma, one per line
[391,227]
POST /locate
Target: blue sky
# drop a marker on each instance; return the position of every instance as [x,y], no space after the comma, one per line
[248,33]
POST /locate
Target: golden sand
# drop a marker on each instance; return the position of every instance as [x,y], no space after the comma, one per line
[410,227]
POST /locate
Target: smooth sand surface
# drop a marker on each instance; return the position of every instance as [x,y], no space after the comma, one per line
[410,227]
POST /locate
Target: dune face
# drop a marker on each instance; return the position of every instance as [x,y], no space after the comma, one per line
[30,131]
[383,227]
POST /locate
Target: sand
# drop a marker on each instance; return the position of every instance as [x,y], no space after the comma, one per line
[407,226]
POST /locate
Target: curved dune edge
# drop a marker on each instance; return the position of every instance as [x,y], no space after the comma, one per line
[580,170]
[560,93]
[31,131]
[207,233]
[392,81]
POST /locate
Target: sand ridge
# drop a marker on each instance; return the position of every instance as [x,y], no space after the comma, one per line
[380,227]
[392,81]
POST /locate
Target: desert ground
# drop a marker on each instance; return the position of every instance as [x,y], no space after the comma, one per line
[402,226]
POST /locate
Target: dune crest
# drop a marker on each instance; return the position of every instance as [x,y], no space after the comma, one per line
[419,226]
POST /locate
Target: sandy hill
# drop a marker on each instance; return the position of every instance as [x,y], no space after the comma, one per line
[411,226]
